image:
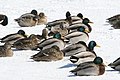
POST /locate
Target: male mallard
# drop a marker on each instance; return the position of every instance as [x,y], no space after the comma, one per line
[42,19]
[77,18]
[50,54]
[79,47]
[66,22]
[27,43]
[74,48]
[91,68]
[3,20]
[56,40]
[116,64]
[11,38]
[84,23]
[82,57]
[28,19]
[5,50]
[76,36]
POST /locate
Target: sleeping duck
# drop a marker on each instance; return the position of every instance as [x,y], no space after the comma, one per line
[28,19]
[29,43]
[3,20]
[11,38]
[5,50]
[91,68]
[116,64]
[50,54]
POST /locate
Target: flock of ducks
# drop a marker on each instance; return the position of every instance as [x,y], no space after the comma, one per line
[60,38]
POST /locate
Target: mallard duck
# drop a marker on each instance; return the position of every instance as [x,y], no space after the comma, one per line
[77,18]
[114,19]
[66,22]
[29,43]
[5,50]
[56,40]
[82,57]
[81,46]
[11,38]
[3,20]
[76,36]
[92,68]
[116,64]
[50,54]
[84,23]
[61,29]
[28,19]
[42,19]
[74,48]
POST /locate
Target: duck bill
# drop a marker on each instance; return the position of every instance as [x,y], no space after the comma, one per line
[97,46]
[87,31]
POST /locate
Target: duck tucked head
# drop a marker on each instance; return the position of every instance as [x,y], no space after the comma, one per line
[98,60]
[22,32]
[5,21]
[34,12]
[80,15]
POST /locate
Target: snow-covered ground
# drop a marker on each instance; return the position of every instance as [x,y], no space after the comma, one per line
[20,67]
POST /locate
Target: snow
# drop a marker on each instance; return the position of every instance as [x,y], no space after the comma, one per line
[21,67]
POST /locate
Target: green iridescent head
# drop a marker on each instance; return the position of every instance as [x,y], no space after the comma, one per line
[98,60]
[57,35]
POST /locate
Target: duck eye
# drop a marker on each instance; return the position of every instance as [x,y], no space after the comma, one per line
[57,35]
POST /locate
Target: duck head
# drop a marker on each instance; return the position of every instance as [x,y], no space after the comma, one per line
[5,21]
[80,15]
[34,12]
[22,32]
[91,45]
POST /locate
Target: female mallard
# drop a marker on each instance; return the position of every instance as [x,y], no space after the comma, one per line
[29,43]
[11,38]
[3,20]
[50,54]
[28,19]
[116,64]
[91,68]
[61,29]
[42,19]
[84,23]
[56,40]
[81,46]
[5,50]
[76,36]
